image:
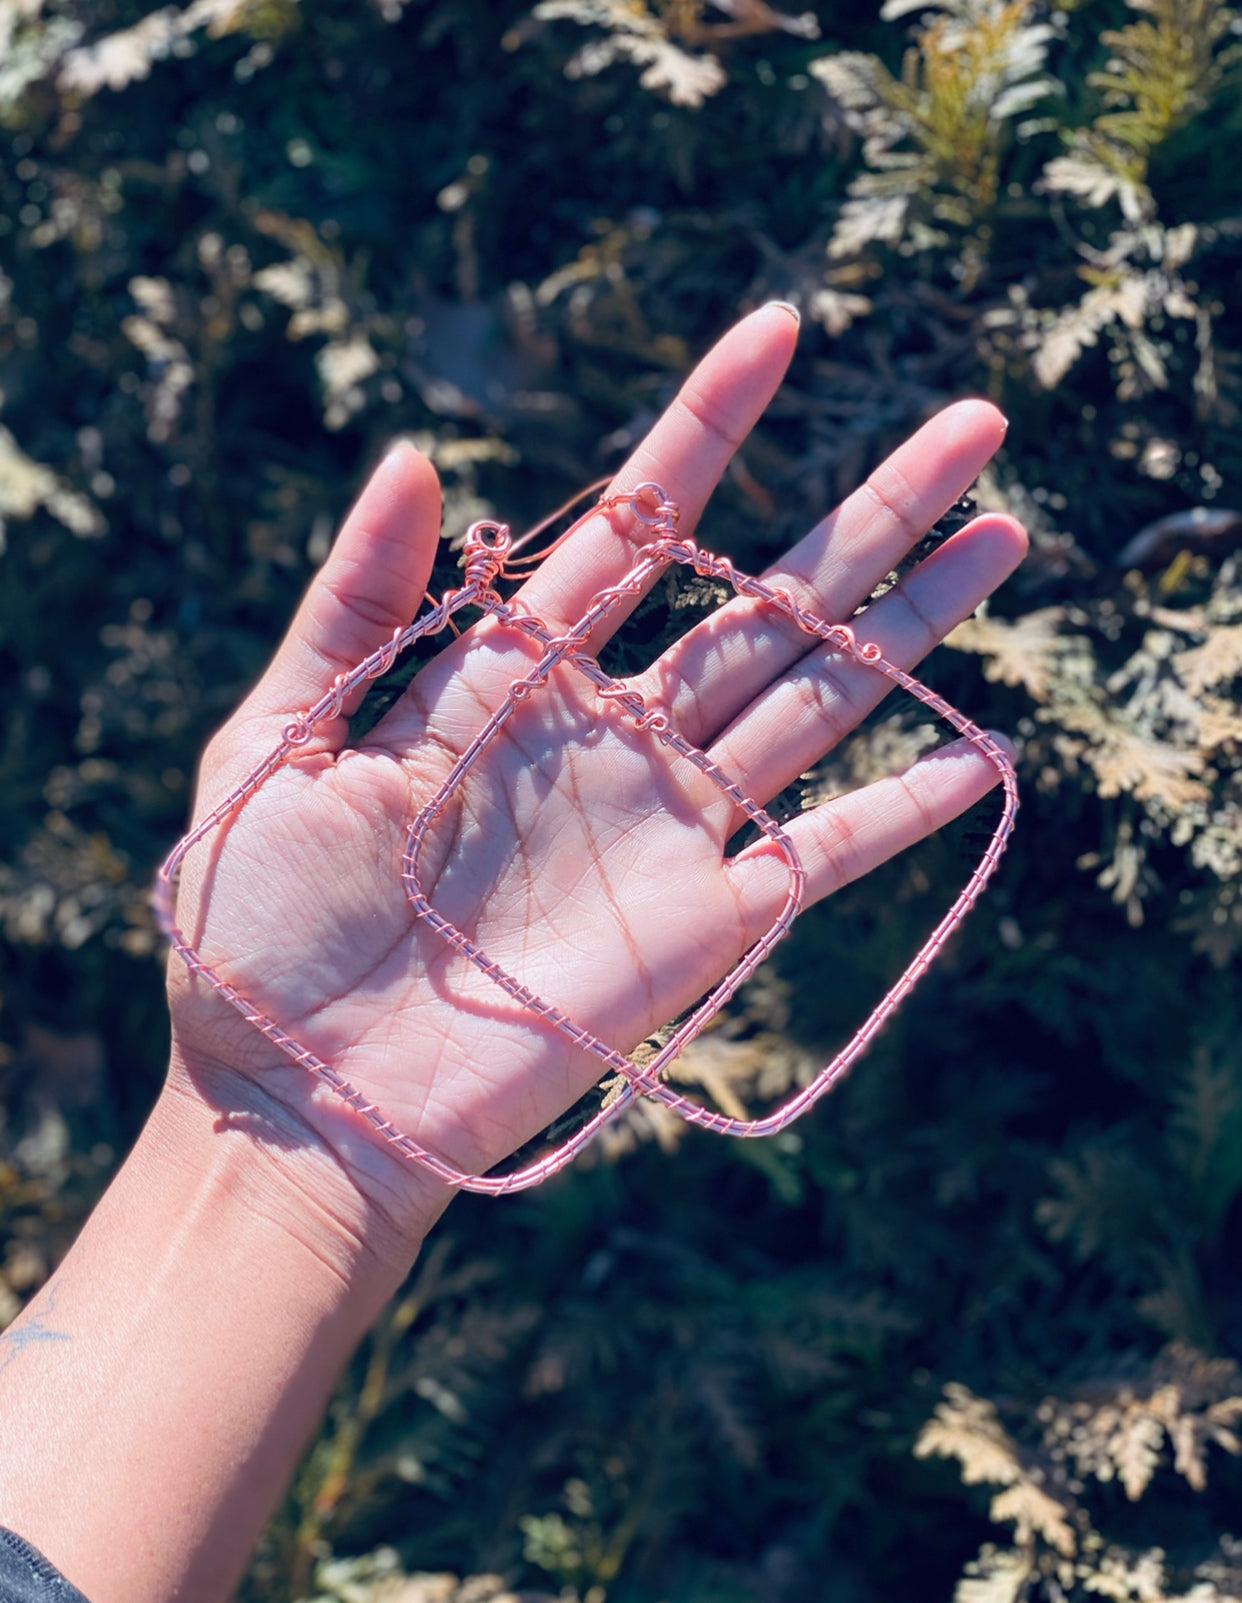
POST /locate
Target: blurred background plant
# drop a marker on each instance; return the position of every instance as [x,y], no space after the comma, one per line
[243,244]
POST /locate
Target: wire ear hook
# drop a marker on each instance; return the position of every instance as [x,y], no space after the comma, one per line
[487,548]
[533,558]
[490,554]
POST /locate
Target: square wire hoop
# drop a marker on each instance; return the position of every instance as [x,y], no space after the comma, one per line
[488,547]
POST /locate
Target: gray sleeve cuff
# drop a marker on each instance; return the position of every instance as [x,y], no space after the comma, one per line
[27,1577]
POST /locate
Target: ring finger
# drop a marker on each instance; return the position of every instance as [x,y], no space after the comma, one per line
[709,676]
[804,713]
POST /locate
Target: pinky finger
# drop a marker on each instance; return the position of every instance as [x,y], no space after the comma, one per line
[843,839]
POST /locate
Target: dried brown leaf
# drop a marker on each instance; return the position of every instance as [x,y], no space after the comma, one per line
[1024,652]
[965,1427]
[1035,1513]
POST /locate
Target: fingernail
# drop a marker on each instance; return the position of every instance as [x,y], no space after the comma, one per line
[788,306]
[1005,422]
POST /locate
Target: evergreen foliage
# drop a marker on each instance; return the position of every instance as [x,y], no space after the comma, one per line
[972,1329]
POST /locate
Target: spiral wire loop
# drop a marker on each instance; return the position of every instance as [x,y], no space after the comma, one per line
[488,546]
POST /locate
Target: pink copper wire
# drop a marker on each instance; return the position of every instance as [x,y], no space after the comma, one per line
[487,550]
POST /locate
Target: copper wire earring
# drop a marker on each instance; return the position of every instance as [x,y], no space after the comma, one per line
[489,549]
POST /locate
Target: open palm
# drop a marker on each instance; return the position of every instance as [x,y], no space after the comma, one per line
[586,859]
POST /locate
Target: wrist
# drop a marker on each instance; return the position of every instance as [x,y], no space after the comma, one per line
[211,1299]
[295,1155]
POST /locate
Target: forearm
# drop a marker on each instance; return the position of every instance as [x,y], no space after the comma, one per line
[155,1396]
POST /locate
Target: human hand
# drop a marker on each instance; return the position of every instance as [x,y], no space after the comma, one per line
[585,859]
